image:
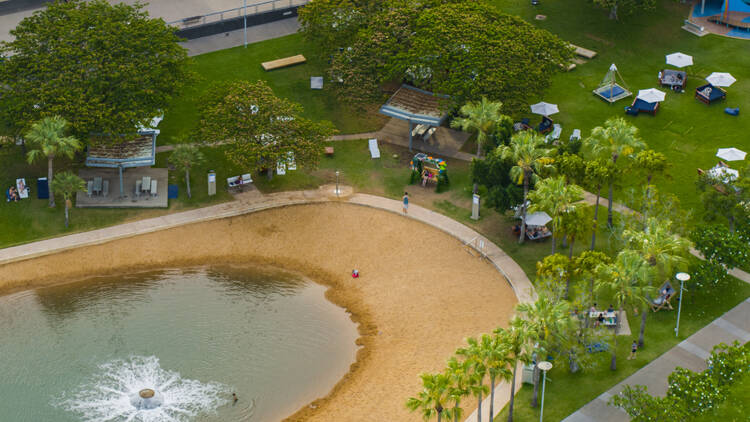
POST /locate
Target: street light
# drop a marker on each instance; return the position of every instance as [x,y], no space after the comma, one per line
[337,183]
[683,277]
[544,366]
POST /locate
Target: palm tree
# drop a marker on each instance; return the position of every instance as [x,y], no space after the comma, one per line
[627,279]
[597,173]
[48,135]
[549,324]
[526,151]
[556,198]
[616,139]
[184,157]
[67,183]
[480,117]
[662,250]
[498,362]
[476,356]
[458,371]
[586,265]
[431,399]
[516,341]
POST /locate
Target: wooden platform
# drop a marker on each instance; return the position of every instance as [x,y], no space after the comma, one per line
[583,52]
[286,61]
[113,200]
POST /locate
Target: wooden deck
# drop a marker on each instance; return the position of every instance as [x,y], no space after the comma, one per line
[286,61]
[444,143]
[583,52]
[129,176]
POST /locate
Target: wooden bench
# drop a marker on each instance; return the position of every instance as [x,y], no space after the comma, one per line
[583,52]
[286,61]
[694,28]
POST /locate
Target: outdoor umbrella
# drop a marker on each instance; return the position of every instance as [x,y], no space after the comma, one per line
[651,95]
[731,154]
[721,79]
[679,60]
[538,219]
[724,174]
[545,109]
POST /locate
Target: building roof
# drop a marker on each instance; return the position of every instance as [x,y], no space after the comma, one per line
[138,152]
[415,105]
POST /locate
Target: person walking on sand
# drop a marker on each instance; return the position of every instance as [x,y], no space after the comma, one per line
[406,202]
[633,349]
[234,398]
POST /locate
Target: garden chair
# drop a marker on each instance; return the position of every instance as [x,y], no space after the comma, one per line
[666,293]
[154,192]
[105,188]
[138,184]
[374,150]
[89,188]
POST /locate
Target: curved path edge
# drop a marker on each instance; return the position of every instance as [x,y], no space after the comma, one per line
[511,271]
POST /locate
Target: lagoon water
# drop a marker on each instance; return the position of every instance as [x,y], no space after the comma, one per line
[83,351]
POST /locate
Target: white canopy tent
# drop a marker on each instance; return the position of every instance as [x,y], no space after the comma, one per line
[539,218]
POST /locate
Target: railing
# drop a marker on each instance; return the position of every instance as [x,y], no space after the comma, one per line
[237,12]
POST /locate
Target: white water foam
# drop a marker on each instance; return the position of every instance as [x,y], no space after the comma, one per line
[107,398]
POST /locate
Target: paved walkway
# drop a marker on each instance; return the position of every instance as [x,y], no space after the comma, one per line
[231,39]
[690,354]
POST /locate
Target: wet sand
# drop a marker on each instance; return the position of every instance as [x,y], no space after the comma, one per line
[419,295]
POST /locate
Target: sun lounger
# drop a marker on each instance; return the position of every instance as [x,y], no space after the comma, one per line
[666,293]
[23,190]
[246,179]
[146,184]
[291,163]
[281,168]
[138,184]
[555,134]
[90,188]
[316,82]
[427,135]
[97,185]
[154,192]
[374,150]
[576,136]
[105,188]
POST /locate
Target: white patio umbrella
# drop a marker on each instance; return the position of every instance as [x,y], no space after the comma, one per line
[731,154]
[721,79]
[545,109]
[651,95]
[679,59]
[724,174]
[539,218]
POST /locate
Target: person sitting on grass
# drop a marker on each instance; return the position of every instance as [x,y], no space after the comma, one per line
[13,194]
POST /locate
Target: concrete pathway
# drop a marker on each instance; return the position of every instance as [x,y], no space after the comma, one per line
[690,354]
[231,39]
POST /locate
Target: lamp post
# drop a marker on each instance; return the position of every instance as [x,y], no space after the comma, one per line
[337,183]
[683,277]
[244,19]
[544,366]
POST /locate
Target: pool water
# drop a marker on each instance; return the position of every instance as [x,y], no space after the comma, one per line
[82,351]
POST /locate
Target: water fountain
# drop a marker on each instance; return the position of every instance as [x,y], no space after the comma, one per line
[140,390]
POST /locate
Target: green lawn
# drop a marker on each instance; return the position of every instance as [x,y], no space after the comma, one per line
[292,82]
[686,130]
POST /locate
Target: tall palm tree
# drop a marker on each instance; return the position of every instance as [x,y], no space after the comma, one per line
[48,135]
[480,118]
[526,150]
[184,157]
[516,340]
[433,396]
[458,371]
[556,198]
[67,183]
[652,163]
[498,366]
[616,139]
[549,323]
[663,251]
[626,278]
[586,265]
[476,356]
[598,172]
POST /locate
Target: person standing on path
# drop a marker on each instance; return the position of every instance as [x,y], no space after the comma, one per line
[633,349]
[406,202]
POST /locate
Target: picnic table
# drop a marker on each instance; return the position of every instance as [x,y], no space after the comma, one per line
[610,318]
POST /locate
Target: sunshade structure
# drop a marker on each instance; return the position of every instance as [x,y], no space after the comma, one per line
[651,95]
[725,174]
[612,87]
[545,109]
[538,219]
[416,106]
[731,154]
[679,60]
[721,79]
[139,152]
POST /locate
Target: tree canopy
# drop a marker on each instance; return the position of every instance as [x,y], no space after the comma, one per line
[104,68]
[259,127]
[464,49]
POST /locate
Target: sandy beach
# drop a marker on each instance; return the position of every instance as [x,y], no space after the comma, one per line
[419,296]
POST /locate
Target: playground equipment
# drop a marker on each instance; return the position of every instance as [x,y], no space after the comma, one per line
[609,89]
[429,170]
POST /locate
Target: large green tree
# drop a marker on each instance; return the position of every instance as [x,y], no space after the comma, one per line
[260,128]
[48,139]
[616,141]
[105,68]
[558,199]
[527,152]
